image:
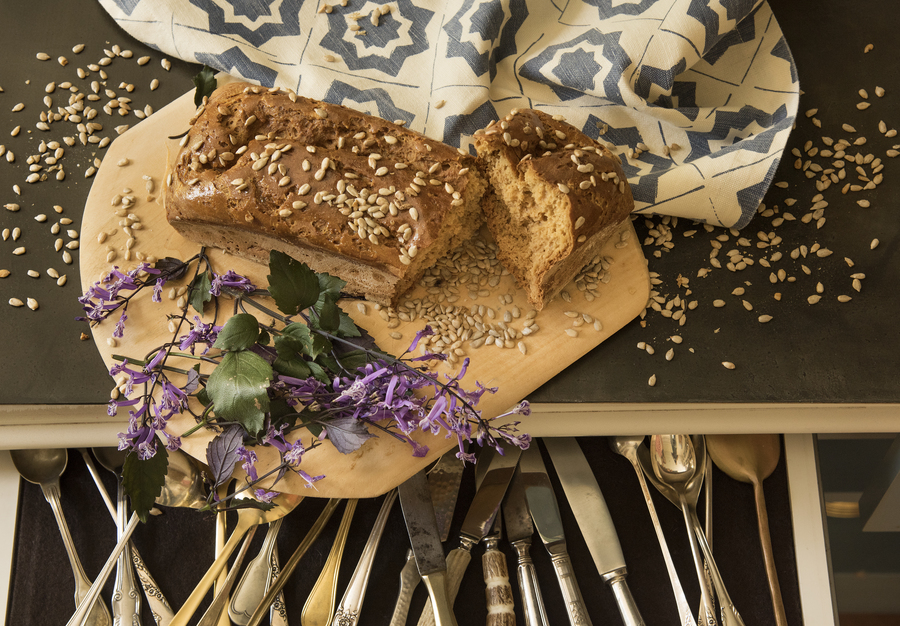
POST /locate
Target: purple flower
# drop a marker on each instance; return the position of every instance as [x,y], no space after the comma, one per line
[232,280]
[157,290]
[265,496]
[119,330]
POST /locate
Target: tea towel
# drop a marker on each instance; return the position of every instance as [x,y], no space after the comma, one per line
[696,96]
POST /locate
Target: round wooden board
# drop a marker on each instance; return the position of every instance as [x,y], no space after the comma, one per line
[141,154]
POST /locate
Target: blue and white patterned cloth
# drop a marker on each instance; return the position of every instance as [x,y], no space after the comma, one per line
[715,77]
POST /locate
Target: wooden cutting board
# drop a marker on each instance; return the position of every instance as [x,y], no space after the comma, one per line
[135,165]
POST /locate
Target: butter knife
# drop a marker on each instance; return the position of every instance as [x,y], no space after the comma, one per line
[418,511]
[443,483]
[586,499]
[545,513]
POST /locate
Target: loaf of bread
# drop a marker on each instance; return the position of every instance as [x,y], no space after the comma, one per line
[556,197]
[347,193]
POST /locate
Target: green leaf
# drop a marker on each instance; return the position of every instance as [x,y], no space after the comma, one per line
[238,386]
[349,361]
[205,82]
[319,372]
[199,291]
[295,367]
[330,284]
[143,480]
[239,333]
[329,313]
[264,337]
[294,339]
[292,284]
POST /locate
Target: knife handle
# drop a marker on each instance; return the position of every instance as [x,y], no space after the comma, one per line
[409,580]
[628,609]
[532,601]
[498,594]
[457,562]
[571,593]
[436,583]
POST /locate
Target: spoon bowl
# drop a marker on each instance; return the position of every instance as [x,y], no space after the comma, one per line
[183,487]
[752,459]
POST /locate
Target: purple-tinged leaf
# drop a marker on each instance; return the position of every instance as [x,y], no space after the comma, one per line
[347,434]
[221,454]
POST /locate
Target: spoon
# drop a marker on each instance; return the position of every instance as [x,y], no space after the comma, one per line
[252,586]
[675,456]
[319,607]
[247,519]
[752,459]
[44,467]
[627,446]
[674,464]
[126,602]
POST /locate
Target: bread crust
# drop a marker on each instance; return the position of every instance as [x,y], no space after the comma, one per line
[557,196]
[365,199]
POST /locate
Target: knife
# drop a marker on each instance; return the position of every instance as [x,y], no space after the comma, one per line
[586,499]
[498,593]
[545,513]
[443,482]
[418,511]
[478,522]
[520,530]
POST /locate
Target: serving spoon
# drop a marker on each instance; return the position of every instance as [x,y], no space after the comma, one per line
[752,459]
[44,467]
[682,468]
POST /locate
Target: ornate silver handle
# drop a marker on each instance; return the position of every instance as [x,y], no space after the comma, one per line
[562,565]
[126,601]
[728,613]
[409,580]
[532,601]
[347,613]
[159,607]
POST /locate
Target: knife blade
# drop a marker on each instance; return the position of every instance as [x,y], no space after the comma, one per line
[545,513]
[443,481]
[418,511]
[498,592]
[520,531]
[477,523]
[588,505]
